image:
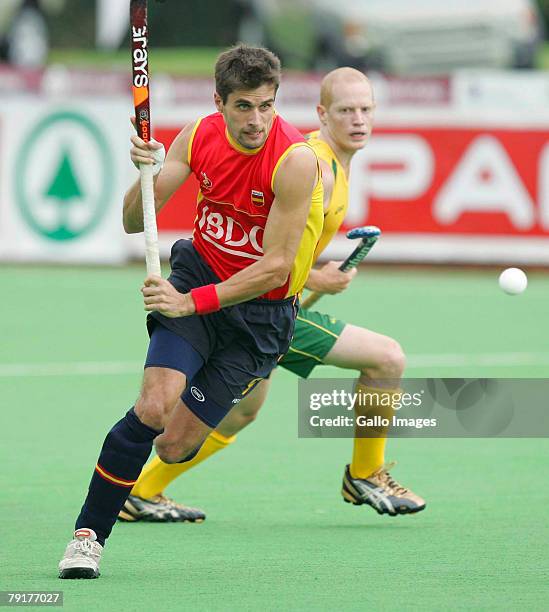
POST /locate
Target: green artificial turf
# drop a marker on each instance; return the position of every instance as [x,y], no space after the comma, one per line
[277,536]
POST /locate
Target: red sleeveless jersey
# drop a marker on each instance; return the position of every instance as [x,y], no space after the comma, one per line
[236,194]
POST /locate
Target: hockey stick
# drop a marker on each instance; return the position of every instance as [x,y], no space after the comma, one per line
[140,72]
[369,236]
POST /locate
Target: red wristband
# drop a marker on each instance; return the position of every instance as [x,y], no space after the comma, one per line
[205,299]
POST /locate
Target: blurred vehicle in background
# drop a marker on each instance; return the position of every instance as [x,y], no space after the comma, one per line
[396,36]
[24,35]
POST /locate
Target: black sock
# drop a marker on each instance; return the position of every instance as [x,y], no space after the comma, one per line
[124,453]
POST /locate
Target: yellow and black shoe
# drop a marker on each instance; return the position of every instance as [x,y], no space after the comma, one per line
[382,492]
[159,509]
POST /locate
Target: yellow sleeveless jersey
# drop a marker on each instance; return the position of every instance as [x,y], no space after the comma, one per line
[306,253]
[339,202]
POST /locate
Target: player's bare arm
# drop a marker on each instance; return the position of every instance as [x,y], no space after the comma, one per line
[283,233]
[173,174]
[328,279]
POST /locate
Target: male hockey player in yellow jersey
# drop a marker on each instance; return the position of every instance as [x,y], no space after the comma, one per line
[346,113]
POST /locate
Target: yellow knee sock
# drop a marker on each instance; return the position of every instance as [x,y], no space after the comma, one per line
[369,443]
[157,475]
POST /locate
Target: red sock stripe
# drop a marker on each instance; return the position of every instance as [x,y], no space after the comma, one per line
[113,479]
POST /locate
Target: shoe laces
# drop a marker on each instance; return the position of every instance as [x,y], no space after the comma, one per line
[162,499]
[171,503]
[159,499]
[168,501]
[386,479]
[84,546]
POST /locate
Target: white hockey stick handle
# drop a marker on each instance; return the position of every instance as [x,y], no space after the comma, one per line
[152,256]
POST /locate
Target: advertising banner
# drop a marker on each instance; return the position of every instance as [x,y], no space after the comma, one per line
[63,168]
[443,187]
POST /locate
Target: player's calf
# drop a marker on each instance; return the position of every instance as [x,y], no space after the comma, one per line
[175,451]
[183,436]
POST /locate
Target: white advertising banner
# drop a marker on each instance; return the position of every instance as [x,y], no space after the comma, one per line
[63,169]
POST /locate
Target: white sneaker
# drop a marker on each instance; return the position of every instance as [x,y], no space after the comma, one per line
[82,556]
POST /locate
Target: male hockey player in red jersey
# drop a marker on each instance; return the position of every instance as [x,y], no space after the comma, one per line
[226,314]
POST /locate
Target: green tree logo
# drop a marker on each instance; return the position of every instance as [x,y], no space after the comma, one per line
[64,176]
[66,190]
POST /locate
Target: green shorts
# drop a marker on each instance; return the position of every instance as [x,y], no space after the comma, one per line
[314,336]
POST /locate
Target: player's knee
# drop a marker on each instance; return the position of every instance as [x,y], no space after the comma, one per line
[236,421]
[248,417]
[391,362]
[153,410]
[398,358]
[246,412]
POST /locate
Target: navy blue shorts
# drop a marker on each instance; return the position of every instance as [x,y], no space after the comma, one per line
[223,354]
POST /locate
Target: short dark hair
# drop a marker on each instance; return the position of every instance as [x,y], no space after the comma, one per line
[245,67]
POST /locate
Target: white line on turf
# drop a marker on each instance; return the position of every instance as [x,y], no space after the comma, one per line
[444,360]
[453,360]
[73,368]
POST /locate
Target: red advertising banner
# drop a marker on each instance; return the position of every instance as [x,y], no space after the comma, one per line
[178,215]
[432,180]
[450,181]
[454,181]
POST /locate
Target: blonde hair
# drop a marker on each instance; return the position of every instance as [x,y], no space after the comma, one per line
[335,78]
